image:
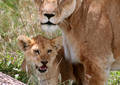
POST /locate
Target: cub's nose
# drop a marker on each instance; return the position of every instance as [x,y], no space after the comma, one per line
[49,15]
[44,62]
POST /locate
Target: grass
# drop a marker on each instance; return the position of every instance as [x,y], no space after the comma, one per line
[21,17]
[15,19]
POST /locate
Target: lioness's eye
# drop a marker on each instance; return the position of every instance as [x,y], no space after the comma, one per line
[49,51]
[36,51]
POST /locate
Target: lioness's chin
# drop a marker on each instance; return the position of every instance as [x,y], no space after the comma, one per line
[49,28]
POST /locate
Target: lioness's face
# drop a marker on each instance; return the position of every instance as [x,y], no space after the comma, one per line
[52,12]
[39,51]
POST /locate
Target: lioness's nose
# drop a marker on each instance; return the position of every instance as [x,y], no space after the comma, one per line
[49,15]
[44,62]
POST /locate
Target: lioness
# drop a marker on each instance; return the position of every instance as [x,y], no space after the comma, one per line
[91,33]
[45,59]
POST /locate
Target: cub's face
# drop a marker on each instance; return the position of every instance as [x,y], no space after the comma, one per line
[39,51]
[52,12]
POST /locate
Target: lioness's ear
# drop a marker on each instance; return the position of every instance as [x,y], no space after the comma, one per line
[57,43]
[24,42]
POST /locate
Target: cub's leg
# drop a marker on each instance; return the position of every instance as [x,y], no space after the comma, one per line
[23,66]
[26,66]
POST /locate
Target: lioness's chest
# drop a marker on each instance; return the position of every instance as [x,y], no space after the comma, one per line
[72,51]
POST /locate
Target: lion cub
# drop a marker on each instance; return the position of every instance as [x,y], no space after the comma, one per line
[44,58]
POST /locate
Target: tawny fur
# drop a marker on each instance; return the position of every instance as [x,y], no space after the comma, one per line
[57,65]
[91,34]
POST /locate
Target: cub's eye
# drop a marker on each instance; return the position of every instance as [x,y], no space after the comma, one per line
[36,51]
[49,51]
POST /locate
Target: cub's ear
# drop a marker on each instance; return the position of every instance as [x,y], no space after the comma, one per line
[24,42]
[57,43]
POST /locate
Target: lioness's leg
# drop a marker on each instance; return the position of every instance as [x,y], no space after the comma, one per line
[95,74]
[96,71]
[78,71]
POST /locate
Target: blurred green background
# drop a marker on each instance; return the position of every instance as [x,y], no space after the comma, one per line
[21,17]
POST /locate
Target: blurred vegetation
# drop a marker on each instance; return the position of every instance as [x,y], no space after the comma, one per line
[21,17]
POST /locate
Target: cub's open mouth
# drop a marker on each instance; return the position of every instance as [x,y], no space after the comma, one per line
[48,23]
[42,68]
